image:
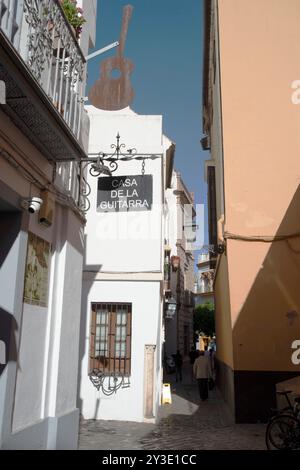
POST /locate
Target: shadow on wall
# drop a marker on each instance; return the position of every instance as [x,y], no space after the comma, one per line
[85,313]
[8,347]
[10,223]
[269,320]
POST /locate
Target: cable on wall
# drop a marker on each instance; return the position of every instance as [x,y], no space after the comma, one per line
[260,238]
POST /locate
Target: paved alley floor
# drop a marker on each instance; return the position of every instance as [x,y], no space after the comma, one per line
[186,424]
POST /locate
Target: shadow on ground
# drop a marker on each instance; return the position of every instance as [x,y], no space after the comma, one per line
[186,424]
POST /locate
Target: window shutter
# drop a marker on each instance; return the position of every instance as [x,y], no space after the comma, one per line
[112,339]
[115,358]
[128,343]
[92,364]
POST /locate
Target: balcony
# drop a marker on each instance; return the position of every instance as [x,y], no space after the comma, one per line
[206,282]
[203,258]
[44,72]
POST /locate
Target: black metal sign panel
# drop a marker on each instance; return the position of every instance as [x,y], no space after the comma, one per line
[125,193]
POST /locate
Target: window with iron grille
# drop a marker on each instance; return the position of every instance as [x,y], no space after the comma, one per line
[110,339]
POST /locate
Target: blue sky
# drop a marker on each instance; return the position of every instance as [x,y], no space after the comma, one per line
[165,42]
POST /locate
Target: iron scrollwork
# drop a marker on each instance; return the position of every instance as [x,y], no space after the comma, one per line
[108,384]
[55,59]
[108,163]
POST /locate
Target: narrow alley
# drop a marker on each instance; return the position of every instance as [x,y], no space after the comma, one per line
[186,424]
[149,220]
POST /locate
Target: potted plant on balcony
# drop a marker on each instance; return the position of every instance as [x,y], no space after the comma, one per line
[74,15]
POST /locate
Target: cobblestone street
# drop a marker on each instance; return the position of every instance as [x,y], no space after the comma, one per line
[186,424]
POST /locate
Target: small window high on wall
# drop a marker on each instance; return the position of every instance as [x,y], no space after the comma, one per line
[110,339]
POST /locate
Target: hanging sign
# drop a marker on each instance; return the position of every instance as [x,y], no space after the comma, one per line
[124,193]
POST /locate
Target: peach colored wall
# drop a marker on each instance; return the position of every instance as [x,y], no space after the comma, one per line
[258,42]
[221,287]
[261,138]
[261,296]
[222,314]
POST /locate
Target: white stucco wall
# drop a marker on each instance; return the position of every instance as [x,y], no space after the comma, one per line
[42,382]
[126,242]
[173,215]
[70,317]
[88,35]
[143,132]
[119,247]
[48,355]
[127,403]
[173,224]
[30,367]
[31,355]
[179,215]
[11,278]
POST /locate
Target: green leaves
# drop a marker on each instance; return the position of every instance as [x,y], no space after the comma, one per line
[73,14]
[204,319]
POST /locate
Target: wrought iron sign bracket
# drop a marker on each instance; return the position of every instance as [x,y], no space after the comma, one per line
[103,163]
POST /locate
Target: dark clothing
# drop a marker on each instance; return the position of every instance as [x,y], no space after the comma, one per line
[203,388]
[193,356]
[178,359]
[178,366]
[178,372]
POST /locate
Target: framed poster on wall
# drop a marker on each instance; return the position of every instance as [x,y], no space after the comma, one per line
[37,271]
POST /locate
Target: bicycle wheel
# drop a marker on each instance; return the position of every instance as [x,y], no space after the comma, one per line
[281,432]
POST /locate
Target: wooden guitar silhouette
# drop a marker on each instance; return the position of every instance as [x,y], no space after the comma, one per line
[111,93]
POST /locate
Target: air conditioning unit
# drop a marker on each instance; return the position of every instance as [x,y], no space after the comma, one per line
[46,214]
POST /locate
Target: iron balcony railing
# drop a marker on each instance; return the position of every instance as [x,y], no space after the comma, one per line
[203,258]
[206,282]
[44,39]
[205,288]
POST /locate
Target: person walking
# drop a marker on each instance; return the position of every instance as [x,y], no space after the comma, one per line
[202,372]
[178,365]
[193,354]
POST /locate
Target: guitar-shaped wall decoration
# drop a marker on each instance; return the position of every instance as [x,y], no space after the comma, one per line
[109,92]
